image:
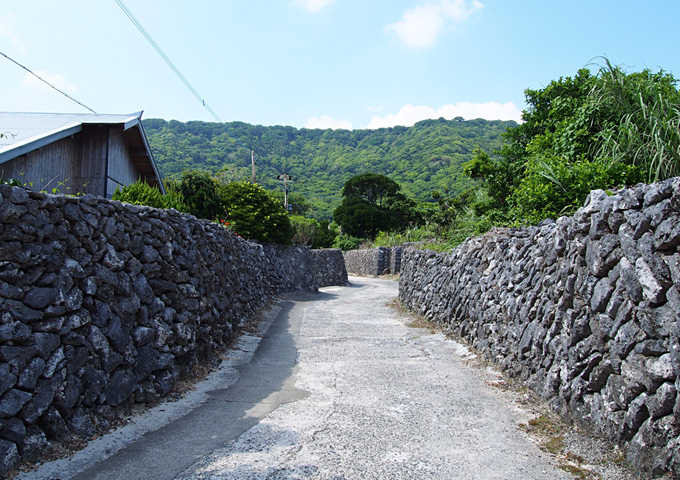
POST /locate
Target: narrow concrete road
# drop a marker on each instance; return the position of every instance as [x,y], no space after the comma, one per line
[340,387]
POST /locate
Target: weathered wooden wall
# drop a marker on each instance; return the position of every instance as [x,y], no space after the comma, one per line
[122,170]
[45,169]
[89,168]
[77,164]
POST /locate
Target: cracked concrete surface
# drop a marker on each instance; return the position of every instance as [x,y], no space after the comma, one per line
[386,401]
[340,388]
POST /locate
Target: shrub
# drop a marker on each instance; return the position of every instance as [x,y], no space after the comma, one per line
[305,230]
[141,193]
[346,242]
[252,213]
[325,235]
[199,191]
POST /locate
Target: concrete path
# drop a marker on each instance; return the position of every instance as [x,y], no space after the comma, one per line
[339,388]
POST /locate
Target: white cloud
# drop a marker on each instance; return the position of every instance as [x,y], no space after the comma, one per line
[420,27]
[408,115]
[7,24]
[29,81]
[313,5]
[325,122]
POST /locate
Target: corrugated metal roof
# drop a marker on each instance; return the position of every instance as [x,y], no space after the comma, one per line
[24,132]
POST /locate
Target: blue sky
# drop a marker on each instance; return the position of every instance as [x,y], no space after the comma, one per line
[320,63]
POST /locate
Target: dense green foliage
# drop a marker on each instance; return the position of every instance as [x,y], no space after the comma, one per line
[441,181]
[592,131]
[371,187]
[304,229]
[252,212]
[347,242]
[646,126]
[313,233]
[246,209]
[325,235]
[199,190]
[141,193]
[421,158]
[373,203]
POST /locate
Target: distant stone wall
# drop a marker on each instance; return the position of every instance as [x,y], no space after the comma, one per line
[585,310]
[374,261]
[329,265]
[395,260]
[105,304]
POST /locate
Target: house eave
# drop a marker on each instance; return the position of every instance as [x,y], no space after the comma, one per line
[136,125]
[133,129]
[35,143]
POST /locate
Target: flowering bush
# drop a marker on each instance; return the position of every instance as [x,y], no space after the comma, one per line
[227,225]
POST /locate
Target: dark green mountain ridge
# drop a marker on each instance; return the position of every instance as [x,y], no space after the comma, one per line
[421,158]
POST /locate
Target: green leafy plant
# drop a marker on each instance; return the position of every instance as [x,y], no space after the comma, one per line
[648,130]
[199,191]
[311,232]
[11,181]
[346,242]
[374,203]
[592,131]
[305,230]
[141,193]
[253,213]
[325,235]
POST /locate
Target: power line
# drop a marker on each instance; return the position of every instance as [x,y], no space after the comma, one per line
[172,66]
[158,49]
[48,83]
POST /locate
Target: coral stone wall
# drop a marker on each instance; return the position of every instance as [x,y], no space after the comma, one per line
[371,262]
[329,265]
[105,304]
[584,309]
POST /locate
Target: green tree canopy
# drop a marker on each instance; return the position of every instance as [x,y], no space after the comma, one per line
[253,213]
[373,188]
[587,132]
[361,219]
[199,190]
[373,203]
[420,158]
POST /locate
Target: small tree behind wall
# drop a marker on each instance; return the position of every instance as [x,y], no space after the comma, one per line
[253,213]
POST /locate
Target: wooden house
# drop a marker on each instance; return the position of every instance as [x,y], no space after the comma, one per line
[76,153]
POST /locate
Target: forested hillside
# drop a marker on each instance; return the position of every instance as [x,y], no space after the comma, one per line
[421,158]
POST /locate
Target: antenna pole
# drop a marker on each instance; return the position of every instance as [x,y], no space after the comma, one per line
[253,179]
[285,178]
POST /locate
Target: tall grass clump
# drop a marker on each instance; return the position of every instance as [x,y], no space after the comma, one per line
[647,133]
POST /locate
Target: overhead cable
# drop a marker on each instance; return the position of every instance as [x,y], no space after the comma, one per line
[48,83]
[158,49]
[172,66]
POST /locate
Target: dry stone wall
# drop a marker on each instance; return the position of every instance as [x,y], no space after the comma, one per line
[374,261]
[584,309]
[105,304]
[329,265]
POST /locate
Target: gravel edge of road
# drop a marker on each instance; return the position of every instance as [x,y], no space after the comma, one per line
[583,454]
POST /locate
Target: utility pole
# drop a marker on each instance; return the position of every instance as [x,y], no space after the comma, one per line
[253,179]
[285,178]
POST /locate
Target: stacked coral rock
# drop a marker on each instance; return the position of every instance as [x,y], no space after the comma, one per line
[585,309]
[104,305]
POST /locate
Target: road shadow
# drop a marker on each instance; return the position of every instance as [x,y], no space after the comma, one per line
[264,383]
